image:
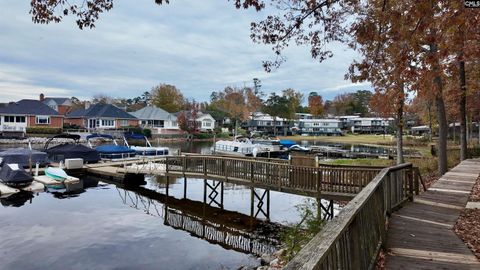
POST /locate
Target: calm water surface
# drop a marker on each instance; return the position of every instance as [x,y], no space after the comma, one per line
[106,226]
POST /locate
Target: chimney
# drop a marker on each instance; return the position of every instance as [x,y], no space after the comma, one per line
[42,97]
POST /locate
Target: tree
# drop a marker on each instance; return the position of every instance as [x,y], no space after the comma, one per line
[187,119]
[294,99]
[277,106]
[315,104]
[167,97]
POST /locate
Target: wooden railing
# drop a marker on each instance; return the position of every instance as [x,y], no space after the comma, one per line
[311,181]
[353,239]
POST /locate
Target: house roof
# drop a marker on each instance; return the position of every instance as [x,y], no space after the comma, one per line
[28,107]
[152,113]
[101,110]
[57,101]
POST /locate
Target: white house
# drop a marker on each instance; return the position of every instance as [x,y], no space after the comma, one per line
[320,126]
[370,124]
[205,121]
[156,119]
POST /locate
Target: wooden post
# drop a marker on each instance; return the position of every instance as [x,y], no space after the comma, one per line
[252,202]
[168,183]
[184,187]
[204,191]
[221,194]
[410,184]
[268,204]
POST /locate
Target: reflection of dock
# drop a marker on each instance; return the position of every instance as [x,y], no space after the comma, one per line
[228,229]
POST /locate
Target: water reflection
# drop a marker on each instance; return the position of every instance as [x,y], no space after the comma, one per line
[17,200]
[231,230]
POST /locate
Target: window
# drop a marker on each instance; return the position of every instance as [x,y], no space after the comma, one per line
[20,119]
[9,119]
[124,123]
[42,120]
[207,124]
[108,123]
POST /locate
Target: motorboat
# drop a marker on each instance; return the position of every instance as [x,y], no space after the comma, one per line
[68,150]
[24,157]
[56,174]
[271,145]
[13,175]
[112,150]
[240,146]
[148,149]
[298,148]
[287,143]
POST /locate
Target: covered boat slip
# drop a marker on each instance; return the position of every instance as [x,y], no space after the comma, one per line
[148,149]
[71,150]
[110,151]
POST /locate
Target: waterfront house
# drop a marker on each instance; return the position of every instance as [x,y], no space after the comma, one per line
[17,116]
[420,130]
[264,123]
[204,121]
[370,125]
[101,116]
[61,105]
[319,126]
[157,119]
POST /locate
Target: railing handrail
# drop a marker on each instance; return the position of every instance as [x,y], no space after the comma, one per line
[312,255]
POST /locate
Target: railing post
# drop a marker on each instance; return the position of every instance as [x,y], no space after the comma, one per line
[166,164]
[416,179]
[204,161]
[251,172]
[410,184]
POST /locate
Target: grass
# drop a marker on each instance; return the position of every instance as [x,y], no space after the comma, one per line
[349,138]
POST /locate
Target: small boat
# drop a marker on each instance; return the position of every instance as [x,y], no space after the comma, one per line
[298,148]
[57,174]
[68,150]
[24,157]
[287,143]
[13,175]
[148,149]
[113,150]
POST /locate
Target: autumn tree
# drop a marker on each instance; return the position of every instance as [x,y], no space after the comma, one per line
[167,97]
[315,104]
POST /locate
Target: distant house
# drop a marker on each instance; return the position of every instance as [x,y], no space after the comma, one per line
[61,105]
[264,123]
[370,124]
[17,116]
[101,116]
[420,130]
[205,122]
[320,126]
[156,119]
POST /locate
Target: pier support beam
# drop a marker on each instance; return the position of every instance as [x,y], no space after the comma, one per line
[262,201]
[211,192]
[184,187]
[324,212]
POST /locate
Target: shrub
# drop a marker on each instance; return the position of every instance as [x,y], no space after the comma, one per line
[43,130]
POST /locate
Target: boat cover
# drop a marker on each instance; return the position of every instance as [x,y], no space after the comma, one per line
[13,175]
[66,151]
[21,156]
[115,149]
[104,136]
[135,136]
[287,143]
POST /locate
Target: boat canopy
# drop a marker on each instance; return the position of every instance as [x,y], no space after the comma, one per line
[96,135]
[135,136]
[22,156]
[114,149]
[74,137]
[66,151]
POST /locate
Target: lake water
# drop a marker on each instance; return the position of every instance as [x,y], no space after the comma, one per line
[106,226]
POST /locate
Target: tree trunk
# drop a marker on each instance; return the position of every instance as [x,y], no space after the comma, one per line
[399,117]
[442,131]
[430,124]
[463,112]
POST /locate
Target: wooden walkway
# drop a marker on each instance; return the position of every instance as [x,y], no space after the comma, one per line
[420,235]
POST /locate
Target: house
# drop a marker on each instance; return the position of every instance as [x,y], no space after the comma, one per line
[346,121]
[264,123]
[101,116]
[157,119]
[303,116]
[320,126]
[204,121]
[370,125]
[420,130]
[17,116]
[61,105]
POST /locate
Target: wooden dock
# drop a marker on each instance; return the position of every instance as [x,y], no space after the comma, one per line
[420,235]
[337,183]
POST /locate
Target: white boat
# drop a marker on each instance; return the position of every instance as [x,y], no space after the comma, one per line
[240,147]
[148,149]
[56,174]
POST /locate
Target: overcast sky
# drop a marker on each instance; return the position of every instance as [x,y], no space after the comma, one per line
[198,46]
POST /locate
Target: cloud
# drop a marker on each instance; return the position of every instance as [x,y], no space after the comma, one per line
[199,46]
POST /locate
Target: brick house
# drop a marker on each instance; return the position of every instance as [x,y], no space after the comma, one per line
[101,116]
[17,116]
